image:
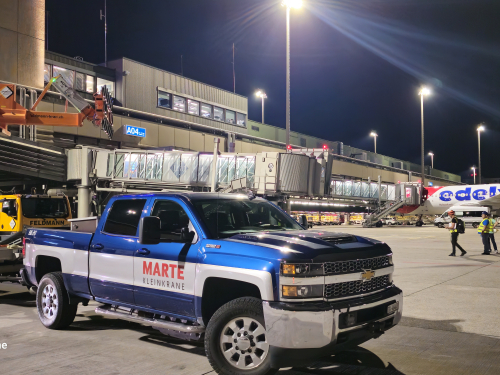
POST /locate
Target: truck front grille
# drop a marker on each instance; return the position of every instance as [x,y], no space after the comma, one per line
[359,265]
[352,288]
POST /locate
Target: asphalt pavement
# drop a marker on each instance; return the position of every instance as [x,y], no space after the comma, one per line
[451,323]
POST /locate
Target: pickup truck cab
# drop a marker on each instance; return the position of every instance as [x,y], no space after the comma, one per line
[232,270]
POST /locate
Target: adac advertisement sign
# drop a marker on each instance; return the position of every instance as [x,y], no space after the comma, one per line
[134,131]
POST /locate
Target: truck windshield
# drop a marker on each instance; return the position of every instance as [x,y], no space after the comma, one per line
[44,207]
[227,217]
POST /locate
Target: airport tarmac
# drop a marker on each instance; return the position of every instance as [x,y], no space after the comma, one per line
[450,325]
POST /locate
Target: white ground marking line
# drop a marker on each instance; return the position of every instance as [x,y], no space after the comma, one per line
[453,278]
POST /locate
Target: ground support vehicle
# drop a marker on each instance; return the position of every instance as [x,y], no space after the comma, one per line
[236,272]
[471,215]
[19,212]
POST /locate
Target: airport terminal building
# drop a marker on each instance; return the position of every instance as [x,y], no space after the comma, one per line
[153,110]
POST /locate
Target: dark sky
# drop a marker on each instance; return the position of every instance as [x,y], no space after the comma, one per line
[356,66]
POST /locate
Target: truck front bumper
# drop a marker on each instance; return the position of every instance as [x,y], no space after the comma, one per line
[300,332]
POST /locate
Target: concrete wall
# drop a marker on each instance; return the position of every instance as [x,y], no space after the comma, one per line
[22,40]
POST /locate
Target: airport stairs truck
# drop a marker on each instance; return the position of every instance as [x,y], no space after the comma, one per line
[231,270]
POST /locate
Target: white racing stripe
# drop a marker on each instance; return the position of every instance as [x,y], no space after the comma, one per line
[297,241]
[280,248]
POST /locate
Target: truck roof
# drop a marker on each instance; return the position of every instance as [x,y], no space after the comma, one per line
[190,195]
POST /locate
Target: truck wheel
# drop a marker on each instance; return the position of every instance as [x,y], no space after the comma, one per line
[235,339]
[440,225]
[52,302]
[475,225]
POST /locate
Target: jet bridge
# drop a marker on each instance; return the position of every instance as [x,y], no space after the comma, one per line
[272,174]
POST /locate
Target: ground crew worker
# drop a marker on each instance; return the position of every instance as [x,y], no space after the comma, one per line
[484,231]
[454,234]
[493,225]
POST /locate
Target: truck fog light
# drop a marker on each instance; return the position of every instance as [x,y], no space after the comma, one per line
[302,291]
[391,309]
[351,319]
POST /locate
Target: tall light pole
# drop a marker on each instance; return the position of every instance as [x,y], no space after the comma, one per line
[374,135]
[480,129]
[288,4]
[261,94]
[105,33]
[424,91]
[432,159]
[474,174]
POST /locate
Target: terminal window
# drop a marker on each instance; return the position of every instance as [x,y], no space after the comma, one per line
[179,104]
[109,85]
[240,119]
[206,110]
[164,100]
[46,73]
[193,107]
[230,117]
[218,114]
[90,84]
[66,74]
[80,81]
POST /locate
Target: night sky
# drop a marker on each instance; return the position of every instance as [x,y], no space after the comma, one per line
[356,66]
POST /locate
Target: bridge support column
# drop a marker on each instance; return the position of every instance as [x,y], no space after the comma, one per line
[83,201]
[347,219]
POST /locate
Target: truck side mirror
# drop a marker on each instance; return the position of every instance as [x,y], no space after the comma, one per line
[149,230]
[303,221]
[186,235]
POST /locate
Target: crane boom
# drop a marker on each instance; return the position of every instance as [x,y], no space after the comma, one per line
[12,113]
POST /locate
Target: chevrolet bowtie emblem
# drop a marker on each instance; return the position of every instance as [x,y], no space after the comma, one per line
[367,275]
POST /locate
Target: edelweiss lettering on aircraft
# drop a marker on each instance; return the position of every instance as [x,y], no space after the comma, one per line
[443,197]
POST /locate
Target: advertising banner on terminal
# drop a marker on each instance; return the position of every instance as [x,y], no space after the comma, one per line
[134,131]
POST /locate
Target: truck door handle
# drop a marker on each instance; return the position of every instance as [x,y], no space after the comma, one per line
[98,246]
[143,251]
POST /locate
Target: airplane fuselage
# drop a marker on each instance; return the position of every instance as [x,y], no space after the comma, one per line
[443,197]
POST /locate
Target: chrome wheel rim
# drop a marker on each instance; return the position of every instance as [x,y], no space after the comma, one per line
[49,302]
[243,343]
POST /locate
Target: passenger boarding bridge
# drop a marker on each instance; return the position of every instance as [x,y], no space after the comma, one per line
[304,174]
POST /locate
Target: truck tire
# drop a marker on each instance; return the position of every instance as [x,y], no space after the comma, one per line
[52,302]
[235,339]
[475,225]
[440,225]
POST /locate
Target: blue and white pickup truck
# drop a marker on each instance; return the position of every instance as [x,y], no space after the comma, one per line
[232,270]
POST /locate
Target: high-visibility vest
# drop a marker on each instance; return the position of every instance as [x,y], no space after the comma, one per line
[482,226]
[490,226]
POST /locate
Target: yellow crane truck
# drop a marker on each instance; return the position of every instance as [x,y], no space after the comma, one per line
[20,212]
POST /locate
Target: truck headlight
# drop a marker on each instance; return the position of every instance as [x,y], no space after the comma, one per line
[390,260]
[301,269]
[302,291]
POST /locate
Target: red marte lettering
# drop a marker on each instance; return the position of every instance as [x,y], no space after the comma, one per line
[156,272]
[164,270]
[146,268]
[172,270]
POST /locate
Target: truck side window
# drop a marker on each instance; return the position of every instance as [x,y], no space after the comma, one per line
[172,219]
[124,216]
